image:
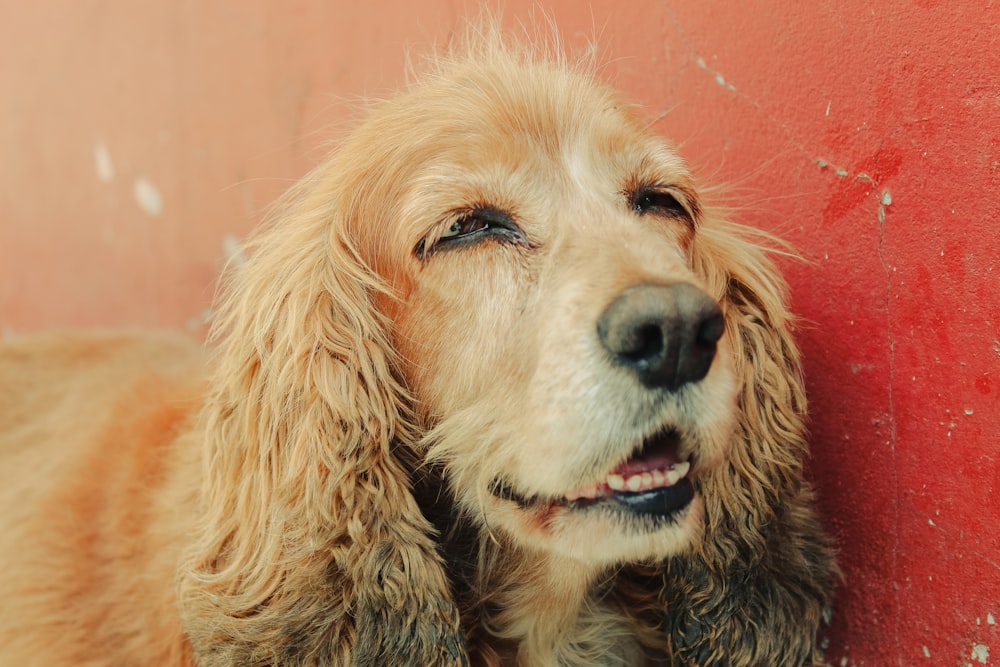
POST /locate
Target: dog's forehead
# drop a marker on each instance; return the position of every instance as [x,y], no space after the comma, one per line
[544,106]
[521,138]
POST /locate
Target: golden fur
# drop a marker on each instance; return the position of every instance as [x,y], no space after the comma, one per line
[328,488]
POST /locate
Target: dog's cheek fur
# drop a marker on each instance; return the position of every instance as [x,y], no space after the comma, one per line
[757,589]
[311,549]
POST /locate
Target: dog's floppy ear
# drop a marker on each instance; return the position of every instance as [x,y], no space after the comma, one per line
[757,588]
[311,548]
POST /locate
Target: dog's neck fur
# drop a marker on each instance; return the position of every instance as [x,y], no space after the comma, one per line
[527,608]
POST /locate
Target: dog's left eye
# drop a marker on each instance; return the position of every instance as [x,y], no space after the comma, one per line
[659,202]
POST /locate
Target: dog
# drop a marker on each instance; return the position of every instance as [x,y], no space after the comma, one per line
[495,387]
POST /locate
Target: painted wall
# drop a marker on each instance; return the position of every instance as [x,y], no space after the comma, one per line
[138,140]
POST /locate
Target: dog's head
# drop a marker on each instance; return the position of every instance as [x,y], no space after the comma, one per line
[569,367]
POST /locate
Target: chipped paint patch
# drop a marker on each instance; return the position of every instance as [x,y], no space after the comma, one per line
[148,197]
[198,321]
[719,79]
[102,163]
[232,251]
[980,653]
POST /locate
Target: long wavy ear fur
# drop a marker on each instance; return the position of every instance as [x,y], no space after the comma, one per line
[758,588]
[311,549]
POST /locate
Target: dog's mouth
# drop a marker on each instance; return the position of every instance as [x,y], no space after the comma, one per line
[653,481]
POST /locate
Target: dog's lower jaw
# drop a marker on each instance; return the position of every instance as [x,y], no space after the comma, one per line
[598,536]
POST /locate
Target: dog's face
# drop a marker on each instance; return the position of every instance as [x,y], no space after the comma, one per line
[571,373]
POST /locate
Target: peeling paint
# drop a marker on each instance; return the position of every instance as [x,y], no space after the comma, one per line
[198,321]
[232,251]
[981,653]
[719,79]
[148,197]
[102,163]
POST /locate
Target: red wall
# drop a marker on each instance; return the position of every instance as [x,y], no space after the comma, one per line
[867,133]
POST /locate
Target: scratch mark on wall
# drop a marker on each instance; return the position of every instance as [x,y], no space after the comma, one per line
[890,398]
[719,79]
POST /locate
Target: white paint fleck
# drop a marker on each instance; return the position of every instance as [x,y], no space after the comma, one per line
[968,412]
[931,522]
[232,251]
[990,620]
[829,103]
[841,172]
[200,320]
[886,198]
[102,163]
[927,653]
[148,197]
[981,653]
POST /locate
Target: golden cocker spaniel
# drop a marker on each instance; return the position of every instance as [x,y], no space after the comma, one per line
[495,387]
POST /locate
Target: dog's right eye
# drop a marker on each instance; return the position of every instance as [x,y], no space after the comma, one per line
[471,227]
[469,224]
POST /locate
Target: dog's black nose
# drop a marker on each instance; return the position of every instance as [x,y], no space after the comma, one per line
[665,334]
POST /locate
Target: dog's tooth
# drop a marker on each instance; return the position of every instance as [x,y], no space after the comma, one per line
[672,477]
[615,482]
[682,468]
[647,480]
[634,483]
[659,478]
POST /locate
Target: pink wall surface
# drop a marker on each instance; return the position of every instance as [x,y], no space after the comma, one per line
[138,140]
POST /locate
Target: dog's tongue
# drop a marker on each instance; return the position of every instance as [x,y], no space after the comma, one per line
[658,453]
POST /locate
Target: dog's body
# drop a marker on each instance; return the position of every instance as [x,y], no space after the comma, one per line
[493,388]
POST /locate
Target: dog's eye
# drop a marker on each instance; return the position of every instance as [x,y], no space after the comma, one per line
[658,202]
[472,226]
